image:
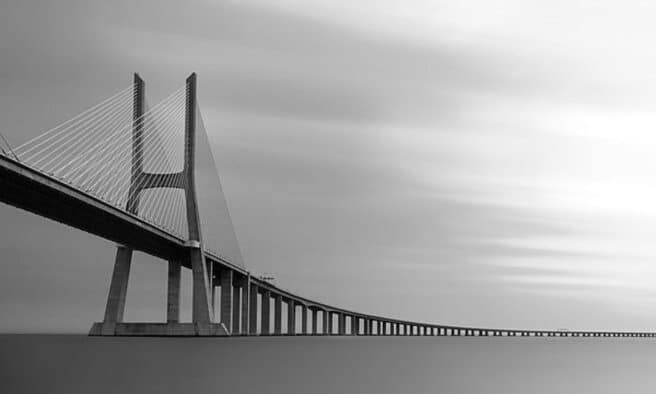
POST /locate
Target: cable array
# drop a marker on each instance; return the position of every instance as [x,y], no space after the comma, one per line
[5,147]
[94,152]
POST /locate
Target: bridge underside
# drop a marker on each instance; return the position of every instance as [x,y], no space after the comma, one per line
[33,191]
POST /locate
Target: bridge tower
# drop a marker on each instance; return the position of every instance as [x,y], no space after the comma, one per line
[202,314]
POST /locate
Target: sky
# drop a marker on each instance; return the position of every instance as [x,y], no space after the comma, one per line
[476,163]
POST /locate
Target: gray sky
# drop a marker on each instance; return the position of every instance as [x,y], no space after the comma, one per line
[458,162]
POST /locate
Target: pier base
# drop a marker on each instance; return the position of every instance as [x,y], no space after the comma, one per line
[160,330]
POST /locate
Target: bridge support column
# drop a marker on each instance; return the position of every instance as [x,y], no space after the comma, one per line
[266,316]
[327,322]
[245,303]
[252,309]
[331,317]
[277,314]
[314,313]
[291,317]
[226,297]
[304,319]
[173,292]
[118,289]
[236,304]
[341,324]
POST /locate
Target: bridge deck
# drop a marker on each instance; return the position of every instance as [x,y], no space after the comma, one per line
[26,188]
[43,195]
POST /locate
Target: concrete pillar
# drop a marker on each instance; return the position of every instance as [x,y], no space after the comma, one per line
[173,292]
[304,317]
[291,317]
[315,313]
[327,323]
[277,314]
[355,325]
[118,289]
[266,319]
[209,268]
[341,323]
[245,303]
[331,317]
[236,306]
[252,309]
[226,297]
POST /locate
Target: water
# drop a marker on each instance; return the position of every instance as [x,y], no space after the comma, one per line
[403,365]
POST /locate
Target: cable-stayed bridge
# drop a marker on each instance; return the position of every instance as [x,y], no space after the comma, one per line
[128,173]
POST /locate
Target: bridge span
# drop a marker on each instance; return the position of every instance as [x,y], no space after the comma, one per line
[70,186]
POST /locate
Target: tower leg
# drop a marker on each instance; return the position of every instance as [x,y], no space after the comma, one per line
[202,311]
[117,290]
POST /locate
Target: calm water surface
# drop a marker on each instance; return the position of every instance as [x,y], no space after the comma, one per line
[405,365]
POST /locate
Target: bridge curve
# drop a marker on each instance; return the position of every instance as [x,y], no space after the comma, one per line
[249,305]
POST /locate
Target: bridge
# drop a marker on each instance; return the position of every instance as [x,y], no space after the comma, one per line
[127,173]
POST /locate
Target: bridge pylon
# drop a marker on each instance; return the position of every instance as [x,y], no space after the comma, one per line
[202,314]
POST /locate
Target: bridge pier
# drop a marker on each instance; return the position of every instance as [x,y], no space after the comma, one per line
[245,285]
[118,289]
[327,323]
[252,309]
[277,314]
[304,319]
[173,292]
[226,297]
[236,305]
[291,317]
[265,318]
[314,312]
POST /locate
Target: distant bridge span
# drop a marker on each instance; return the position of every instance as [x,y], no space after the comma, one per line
[52,187]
